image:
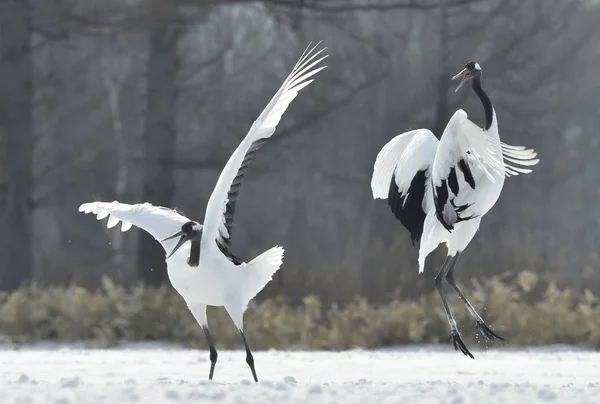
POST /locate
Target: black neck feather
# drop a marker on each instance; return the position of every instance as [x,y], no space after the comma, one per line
[485,101]
[194,258]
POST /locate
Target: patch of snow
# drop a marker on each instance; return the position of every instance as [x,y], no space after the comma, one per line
[423,374]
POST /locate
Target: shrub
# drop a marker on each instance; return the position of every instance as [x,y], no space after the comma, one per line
[140,313]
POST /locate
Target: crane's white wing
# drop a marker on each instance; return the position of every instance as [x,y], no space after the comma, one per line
[158,221]
[221,205]
[465,154]
[515,156]
[402,175]
[512,156]
[462,140]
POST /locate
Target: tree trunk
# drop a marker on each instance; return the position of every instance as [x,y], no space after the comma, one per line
[159,138]
[114,74]
[442,106]
[16,144]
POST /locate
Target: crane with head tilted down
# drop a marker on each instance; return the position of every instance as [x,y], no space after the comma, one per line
[200,264]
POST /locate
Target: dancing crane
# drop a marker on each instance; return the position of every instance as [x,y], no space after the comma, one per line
[440,190]
[200,264]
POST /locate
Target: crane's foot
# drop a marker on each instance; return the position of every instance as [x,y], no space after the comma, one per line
[459,344]
[250,362]
[487,332]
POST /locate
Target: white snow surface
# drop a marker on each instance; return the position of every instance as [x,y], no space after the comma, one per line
[422,374]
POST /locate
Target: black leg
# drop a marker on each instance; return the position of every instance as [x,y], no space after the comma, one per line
[213,352]
[481,325]
[454,334]
[249,357]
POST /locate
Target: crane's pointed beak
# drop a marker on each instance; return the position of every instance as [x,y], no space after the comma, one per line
[178,234]
[464,76]
[182,240]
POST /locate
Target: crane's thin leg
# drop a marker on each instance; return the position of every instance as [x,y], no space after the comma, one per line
[454,334]
[249,357]
[199,313]
[213,352]
[481,325]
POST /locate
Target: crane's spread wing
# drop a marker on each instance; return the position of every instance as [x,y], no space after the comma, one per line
[514,156]
[402,175]
[158,221]
[462,140]
[221,205]
[465,154]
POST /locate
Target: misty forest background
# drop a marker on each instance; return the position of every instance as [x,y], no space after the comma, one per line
[145,100]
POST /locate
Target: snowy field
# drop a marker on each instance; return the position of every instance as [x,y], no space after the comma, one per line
[425,374]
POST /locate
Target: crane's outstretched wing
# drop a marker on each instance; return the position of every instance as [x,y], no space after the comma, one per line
[465,154]
[515,156]
[158,221]
[221,205]
[512,156]
[402,175]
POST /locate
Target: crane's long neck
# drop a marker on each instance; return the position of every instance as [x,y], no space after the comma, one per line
[194,258]
[486,102]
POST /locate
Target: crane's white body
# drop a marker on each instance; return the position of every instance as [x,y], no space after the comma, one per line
[217,281]
[419,150]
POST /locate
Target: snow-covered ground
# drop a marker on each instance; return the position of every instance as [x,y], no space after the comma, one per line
[429,374]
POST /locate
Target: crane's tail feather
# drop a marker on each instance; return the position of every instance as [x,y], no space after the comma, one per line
[433,235]
[260,271]
[104,209]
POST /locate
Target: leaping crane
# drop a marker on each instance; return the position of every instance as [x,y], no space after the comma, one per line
[440,190]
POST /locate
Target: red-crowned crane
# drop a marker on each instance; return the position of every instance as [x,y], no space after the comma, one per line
[440,190]
[204,271]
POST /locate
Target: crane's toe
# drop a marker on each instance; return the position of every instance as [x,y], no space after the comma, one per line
[459,344]
[487,332]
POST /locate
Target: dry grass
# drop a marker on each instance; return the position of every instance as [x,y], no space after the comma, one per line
[114,313]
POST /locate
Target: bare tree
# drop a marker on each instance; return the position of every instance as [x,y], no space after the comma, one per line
[116,67]
[160,132]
